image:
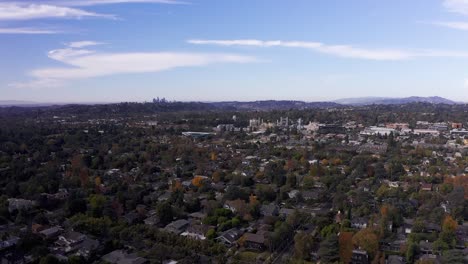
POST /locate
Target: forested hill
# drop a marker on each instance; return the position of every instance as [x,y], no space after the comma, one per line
[274,105]
[138,109]
[151,108]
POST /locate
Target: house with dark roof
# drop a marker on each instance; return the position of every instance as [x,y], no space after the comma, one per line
[197,216]
[197,231]
[153,220]
[395,259]
[51,232]
[408,225]
[426,247]
[229,237]
[8,243]
[359,222]
[426,187]
[122,257]
[177,227]
[310,195]
[430,258]
[359,257]
[69,240]
[254,241]
[86,247]
[269,210]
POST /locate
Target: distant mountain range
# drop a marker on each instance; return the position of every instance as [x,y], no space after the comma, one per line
[273,104]
[6,103]
[391,101]
[264,105]
[16,103]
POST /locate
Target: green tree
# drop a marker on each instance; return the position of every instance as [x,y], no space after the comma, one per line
[49,259]
[165,213]
[329,250]
[96,204]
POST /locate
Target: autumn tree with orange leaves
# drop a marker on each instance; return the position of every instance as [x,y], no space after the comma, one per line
[198,181]
[345,241]
[368,240]
[458,181]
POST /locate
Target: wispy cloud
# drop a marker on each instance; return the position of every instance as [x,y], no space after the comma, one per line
[456,6]
[26,11]
[63,9]
[27,31]
[345,51]
[107,2]
[84,43]
[82,63]
[452,24]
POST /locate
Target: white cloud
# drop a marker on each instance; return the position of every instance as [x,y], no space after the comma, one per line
[40,9]
[456,6]
[25,11]
[337,50]
[345,51]
[27,31]
[82,64]
[452,24]
[107,2]
[82,44]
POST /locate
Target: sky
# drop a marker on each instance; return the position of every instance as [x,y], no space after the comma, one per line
[222,50]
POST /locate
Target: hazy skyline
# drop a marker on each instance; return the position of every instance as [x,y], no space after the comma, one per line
[134,50]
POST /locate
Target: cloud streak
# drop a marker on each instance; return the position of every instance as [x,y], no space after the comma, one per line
[82,44]
[456,6]
[23,11]
[82,63]
[452,24]
[27,31]
[108,2]
[344,51]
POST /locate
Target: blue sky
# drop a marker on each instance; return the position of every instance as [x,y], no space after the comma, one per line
[210,50]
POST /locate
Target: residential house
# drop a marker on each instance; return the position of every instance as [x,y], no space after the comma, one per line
[395,259]
[426,247]
[254,241]
[177,227]
[408,225]
[430,258]
[359,257]
[122,257]
[51,232]
[19,204]
[359,222]
[86,247]
[310,195]
[153,220]
[69,240]
[229,237]
[426,187]
[8,243]
[269,210]
[197,216]
[196,231]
